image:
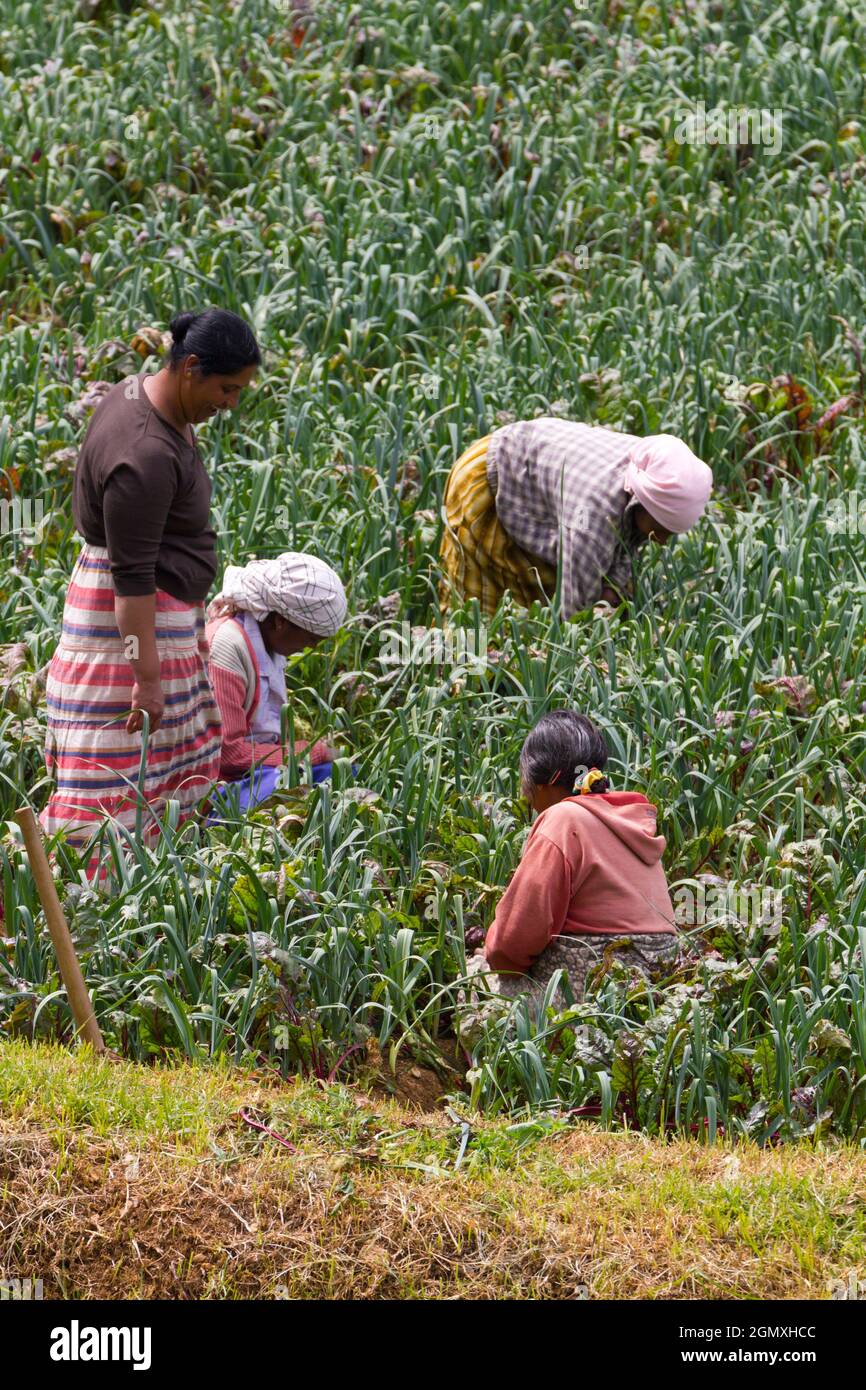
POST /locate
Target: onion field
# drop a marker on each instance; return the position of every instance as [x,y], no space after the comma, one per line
[440,218]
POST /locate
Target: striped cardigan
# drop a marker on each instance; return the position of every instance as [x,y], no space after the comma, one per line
[234,677]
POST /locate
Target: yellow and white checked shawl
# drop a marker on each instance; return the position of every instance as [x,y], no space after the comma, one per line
[530,496]
[478,558]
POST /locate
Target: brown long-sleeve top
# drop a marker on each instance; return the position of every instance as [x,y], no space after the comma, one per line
[142,491]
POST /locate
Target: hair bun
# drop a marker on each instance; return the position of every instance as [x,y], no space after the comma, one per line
[179,325]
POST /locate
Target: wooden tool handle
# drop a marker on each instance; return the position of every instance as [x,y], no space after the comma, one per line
[70,970]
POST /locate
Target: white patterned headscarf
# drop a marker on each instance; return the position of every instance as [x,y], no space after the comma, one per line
[301,588]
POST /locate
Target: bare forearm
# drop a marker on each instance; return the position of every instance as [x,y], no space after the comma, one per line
[136,621]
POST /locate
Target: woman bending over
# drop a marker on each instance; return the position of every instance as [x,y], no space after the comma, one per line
[267,610]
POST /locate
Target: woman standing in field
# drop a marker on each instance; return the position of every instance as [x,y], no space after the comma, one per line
[133,624]
[267,610]
[540,494]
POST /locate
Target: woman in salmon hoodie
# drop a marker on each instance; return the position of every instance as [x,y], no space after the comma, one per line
[591,877]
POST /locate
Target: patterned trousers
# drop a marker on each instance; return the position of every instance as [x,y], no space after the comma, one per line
[478,557]
[585,959]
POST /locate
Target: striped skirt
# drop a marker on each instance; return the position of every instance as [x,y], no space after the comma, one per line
[478,557]
[94,761]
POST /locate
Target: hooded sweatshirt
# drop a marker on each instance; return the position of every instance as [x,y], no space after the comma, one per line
[591,865]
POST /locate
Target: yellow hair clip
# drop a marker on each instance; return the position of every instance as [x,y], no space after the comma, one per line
[589,781]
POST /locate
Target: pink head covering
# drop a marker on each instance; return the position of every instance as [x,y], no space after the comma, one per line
[669,480]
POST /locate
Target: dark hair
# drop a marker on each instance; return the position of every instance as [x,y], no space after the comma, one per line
[563,742]
[222,342]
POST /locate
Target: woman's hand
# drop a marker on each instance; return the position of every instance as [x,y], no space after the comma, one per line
[320,752]
[607,605]
[147,696]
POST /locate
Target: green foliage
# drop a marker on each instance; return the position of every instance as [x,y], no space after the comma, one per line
[400,198]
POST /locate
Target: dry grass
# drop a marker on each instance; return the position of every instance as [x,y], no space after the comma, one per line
[370,1204]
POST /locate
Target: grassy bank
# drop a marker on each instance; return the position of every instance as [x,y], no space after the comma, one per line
[126,1182]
